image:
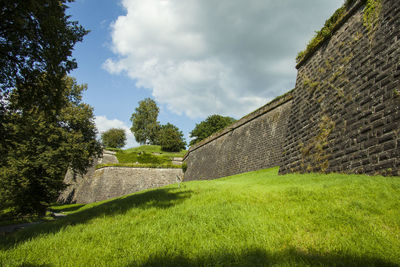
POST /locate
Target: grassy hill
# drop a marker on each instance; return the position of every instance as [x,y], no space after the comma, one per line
[252,219]
[146,155]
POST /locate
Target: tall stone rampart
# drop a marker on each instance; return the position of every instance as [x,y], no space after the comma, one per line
[254,142]
[342,116]
[345,115]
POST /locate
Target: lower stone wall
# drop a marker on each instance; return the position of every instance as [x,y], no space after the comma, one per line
[110,182]
[113,182]
[252,143]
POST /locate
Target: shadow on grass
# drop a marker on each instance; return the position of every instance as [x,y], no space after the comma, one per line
[260,257]
[159,198]
[75,207]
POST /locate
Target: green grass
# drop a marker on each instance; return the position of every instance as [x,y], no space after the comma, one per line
[155,149]
[147,155]
[167,165]
[252,219]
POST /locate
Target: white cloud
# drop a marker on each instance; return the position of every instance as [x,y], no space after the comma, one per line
[103,124]
[201,57]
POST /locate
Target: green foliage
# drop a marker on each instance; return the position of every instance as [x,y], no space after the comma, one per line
[141,157]
[40,148]
[184,167]
[325,32]
[34,42]
[44,127]
[114,138]
[170,138]
[252,219]
[145,126]
[212,124]
[371,14]
[154,149]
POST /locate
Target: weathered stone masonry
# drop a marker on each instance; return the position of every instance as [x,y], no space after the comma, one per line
[342,116]
[345,115]
[110,182]
[252,143]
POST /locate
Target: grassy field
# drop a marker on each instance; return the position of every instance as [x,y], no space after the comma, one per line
[147,154]
[252,219]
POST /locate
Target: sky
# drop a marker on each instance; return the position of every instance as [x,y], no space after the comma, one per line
[195,58]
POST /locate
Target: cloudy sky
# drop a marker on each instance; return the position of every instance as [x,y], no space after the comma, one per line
[193,57]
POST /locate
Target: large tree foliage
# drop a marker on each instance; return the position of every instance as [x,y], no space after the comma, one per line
[170,138]
[211,125]
[36,37]
[114,138]
[44,126]
[145,126]
[41,148]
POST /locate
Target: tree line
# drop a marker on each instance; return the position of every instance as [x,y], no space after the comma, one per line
[147,130]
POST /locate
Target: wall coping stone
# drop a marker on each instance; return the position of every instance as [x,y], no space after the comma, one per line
[280,100]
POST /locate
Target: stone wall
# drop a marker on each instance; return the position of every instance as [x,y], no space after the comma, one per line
[345,114]
[110,182]
[113,182]
[342,116]
[252,143]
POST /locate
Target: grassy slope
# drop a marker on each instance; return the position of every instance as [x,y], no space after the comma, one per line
[144,155]
[257,218]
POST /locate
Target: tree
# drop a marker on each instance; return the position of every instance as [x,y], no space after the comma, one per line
[41,148]
[44,126]
[211,125]
[145,126]
[170,138]
[114,138]
[36,37]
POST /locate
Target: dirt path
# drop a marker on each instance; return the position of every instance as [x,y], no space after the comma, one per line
[14,227]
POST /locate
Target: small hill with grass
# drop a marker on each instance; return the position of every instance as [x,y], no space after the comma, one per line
[251,219]
[146,155]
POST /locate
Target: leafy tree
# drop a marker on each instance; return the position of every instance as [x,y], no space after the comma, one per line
[114,138]
[170,138]
[36,37]
[44,126]
[211,125]
[40,149]
[145,126]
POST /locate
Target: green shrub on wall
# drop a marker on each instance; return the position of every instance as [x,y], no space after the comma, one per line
[371,13]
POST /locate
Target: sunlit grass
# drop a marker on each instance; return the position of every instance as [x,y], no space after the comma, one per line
[155,149]
[251,219]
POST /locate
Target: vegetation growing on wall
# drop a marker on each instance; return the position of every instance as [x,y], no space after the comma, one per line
[371,13]
[314,154]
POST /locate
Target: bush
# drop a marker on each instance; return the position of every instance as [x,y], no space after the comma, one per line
[184,167]
[114,138]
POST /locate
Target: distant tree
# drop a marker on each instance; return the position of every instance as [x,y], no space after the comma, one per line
[211,125]
[171,139]
[114,138]
[145,126]
[40,149]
